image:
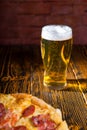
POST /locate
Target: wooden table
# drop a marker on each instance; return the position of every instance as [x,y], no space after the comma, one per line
[21,70]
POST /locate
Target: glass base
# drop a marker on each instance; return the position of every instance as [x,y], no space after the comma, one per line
[57,86]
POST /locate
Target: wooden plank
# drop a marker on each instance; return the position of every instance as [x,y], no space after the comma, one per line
[15,69]
[79,59]
[21,70]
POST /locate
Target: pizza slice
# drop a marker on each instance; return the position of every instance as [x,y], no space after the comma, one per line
[26,112]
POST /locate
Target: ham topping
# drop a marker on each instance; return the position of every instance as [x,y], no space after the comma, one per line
[43,122]
[7,117]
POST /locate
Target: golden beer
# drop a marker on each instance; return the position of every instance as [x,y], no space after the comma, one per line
[56,45]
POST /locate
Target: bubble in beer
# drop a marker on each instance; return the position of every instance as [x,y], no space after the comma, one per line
[56,32]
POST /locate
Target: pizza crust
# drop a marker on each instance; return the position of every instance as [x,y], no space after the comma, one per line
[63,126]
[43,105]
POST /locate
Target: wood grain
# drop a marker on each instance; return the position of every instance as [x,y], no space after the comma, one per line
[21,70]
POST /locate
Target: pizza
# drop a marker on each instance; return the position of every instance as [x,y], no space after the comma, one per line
[23,111]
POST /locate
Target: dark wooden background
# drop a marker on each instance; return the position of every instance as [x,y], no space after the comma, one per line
[21,70]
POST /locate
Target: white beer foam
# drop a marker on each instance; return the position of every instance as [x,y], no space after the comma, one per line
[56,32]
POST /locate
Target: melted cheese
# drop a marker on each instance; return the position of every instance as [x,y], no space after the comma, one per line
[26,122]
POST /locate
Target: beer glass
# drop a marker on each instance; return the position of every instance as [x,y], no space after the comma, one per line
[56,46]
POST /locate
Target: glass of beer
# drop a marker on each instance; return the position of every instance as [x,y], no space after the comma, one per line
[56,46]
